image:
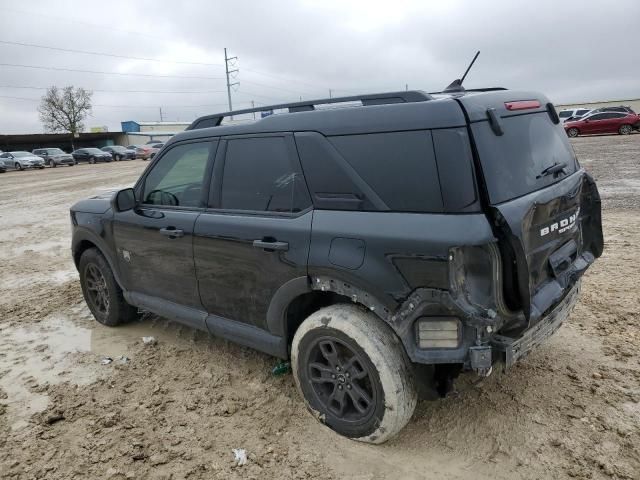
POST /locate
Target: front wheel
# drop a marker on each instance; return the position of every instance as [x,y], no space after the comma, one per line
[625,129]
[17,166]
[101,291]
[117,158]
[573,132]
[52,164]
[353,373]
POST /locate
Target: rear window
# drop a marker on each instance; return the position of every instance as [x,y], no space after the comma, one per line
[513,162]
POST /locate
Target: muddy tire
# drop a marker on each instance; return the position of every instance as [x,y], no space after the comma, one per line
[625,129]
[573,132]
[353,373]
[101,291]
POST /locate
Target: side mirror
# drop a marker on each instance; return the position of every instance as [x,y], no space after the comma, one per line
[124,200]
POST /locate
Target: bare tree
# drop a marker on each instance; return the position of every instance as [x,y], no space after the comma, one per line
[64,110]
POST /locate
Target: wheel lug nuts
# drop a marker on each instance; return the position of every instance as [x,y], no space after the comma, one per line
[339,387]
[338,368]
[333,376]
[348,386]
[347,375]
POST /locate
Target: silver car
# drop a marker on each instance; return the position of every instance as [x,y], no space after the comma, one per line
[54,157]
[21,160]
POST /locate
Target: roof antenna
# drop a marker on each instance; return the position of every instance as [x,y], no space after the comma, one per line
[456,85]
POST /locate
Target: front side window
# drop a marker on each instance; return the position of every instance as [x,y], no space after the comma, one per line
[599,116]
[177,178]
[260,175]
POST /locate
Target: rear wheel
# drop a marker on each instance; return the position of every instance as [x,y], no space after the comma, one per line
[92,160]
[573,132]
[353,373]
[625,129]
[101,291]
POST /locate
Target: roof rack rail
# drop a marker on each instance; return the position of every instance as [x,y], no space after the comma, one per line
[408,96]
[486,89]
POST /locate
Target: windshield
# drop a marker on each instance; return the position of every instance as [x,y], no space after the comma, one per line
[93,150]
[54,151]
[514,163]
[21,154]
[118,148]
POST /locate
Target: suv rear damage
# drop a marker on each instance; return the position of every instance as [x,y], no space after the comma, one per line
[447,229]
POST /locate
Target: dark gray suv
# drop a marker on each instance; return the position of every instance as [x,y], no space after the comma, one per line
[449,230]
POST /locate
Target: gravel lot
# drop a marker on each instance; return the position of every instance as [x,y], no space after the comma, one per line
[177,409]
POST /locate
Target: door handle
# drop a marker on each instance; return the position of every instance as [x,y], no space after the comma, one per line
[266,245]
[171,232]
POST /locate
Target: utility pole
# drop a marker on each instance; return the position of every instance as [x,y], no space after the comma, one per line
[253,105]
[330,93]
[229,84]
[161,119]
[406,87]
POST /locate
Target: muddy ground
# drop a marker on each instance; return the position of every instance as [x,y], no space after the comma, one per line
[177,409]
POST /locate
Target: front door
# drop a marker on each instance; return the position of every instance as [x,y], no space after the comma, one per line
[255,235]
[155,240]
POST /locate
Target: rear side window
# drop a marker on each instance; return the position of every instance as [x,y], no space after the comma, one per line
[513,162]
[399,166]
[261,175]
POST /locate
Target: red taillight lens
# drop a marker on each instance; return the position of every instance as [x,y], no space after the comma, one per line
[522,105]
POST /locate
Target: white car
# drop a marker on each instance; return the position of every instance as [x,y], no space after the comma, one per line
[572,113]
[21,160]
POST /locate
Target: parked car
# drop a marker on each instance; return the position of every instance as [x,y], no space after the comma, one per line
[54,157]
[572,113]
[21,160]
[142,151]
[155,148]
[119,152]
[621,109]
[356,242]
[604,122]
[91,155]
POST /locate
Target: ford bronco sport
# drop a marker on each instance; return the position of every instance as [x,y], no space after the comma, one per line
[449,230]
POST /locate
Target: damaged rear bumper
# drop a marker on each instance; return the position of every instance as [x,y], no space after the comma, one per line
[511,349]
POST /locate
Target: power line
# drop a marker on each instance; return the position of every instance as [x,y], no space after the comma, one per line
[105,54]
[121,91]
[94,25]
[108,73]
[126,106]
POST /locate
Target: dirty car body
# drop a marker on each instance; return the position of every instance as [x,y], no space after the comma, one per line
[462,221]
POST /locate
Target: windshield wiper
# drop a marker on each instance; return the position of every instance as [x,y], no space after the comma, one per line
[553,169]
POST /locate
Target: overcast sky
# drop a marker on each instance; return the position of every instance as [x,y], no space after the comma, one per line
[571,50]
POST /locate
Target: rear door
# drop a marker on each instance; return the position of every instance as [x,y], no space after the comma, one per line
[255,236]
[546,208]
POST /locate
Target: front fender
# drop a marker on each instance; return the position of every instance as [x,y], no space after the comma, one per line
[95,234]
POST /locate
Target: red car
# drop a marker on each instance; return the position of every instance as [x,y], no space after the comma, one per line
[603,122]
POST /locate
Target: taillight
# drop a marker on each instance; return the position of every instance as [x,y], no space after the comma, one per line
[522,105]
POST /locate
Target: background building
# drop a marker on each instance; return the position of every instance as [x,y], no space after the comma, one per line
[633,103]
[137,133]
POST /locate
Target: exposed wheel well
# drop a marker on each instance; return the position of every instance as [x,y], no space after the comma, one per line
[83,246]
[304,305]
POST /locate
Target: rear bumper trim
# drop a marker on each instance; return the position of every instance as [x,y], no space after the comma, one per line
[515,349]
